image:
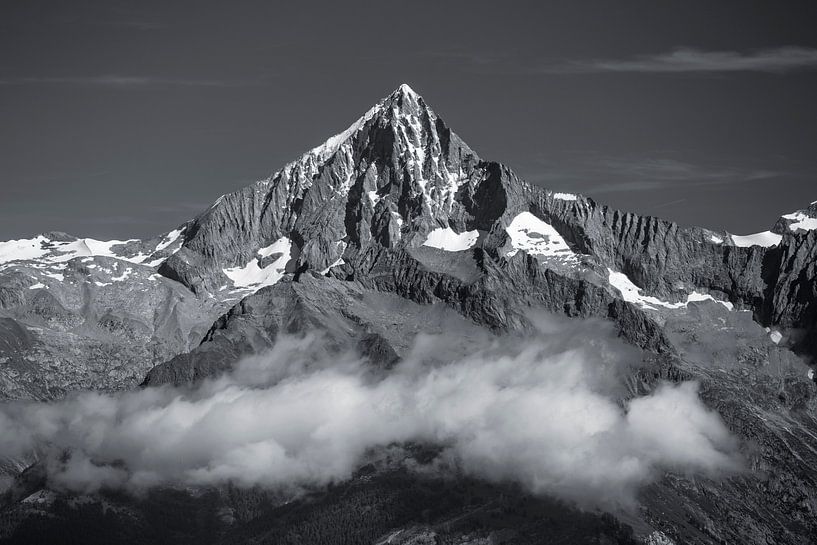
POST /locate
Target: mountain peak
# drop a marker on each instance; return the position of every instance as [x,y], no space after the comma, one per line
[414,123]
[405,90]
[403,101]
[399,99]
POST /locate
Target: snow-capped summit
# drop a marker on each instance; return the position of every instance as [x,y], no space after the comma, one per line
[402,103]
[393,172]
[405,89]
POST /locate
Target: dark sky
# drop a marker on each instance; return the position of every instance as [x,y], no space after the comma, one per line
[123,119]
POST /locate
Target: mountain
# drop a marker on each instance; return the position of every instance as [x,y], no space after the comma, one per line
[396,227]
[82,313]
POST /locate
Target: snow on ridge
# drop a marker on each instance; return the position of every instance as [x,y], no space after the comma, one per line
[632,294]
[801,221]
[407,90]
[22,249]
[46,250]
[252,276]
[308,162]
[445,238]
[697,296]
[537,237]
[170,238]
[765,239]
[58,251]
[715,239]
[333,143]
[565,196]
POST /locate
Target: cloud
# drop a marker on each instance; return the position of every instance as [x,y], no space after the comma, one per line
[607,174]
[119,81]
[778,60]
[679,60]
[545,412]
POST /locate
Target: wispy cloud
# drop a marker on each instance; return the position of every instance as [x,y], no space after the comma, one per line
[122,81]
[604,174]
[778,60]
[679,60]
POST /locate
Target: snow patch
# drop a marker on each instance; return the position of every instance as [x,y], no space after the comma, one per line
[253,276]
[696,296]
[632,294]
[169,239]
[538,238]
[36,286]
[765,239]
[565,196]
[122,276]
[22,249]
[716,239]
[449,240]
[801,221]
[398,219]
[776,337]
[274,248]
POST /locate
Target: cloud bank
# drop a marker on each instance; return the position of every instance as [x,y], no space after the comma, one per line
[545,412]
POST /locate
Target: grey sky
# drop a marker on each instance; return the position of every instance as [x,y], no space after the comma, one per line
[123,119]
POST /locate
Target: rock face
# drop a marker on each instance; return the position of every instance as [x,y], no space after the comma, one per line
[395,227]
